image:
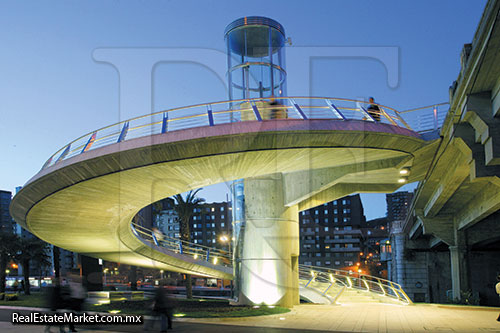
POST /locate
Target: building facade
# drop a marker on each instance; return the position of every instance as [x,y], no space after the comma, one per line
[330,234]
[167,219]
[7,224]
[210,222]
[398,204]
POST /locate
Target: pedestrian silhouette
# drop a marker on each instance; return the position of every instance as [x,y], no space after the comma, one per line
[163,308]
[373,109]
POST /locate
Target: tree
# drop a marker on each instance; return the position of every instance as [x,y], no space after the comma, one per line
[29,249]
[9,246]
[185,209]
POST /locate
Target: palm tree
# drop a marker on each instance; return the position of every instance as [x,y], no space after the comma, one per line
[29,249]
[9,246]
[185,209]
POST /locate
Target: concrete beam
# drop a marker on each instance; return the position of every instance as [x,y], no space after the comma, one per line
[302,185]
[457,169]
[434,241]
[341,190]
[442,181]
[416,229]
[484,231]
[486,202]
[480,114]
[439,227]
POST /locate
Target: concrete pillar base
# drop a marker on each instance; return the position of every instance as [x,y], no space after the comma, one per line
[269,261]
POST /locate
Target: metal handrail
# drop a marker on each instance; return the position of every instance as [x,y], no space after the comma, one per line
[352,280]
[344,279]
[211,114]
[429,118]
[200,252]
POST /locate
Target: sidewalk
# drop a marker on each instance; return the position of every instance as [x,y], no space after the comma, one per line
[376,318]
[367,317]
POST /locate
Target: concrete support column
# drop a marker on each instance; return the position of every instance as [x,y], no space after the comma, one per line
[459,280]
[398,246]
[270,249]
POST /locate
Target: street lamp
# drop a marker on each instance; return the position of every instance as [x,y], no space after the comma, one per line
[161,274]
[226,239]
[105,271]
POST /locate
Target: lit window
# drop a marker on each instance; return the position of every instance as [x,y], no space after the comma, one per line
[222,224]
[222,209]
[326,211]
[222,217]
[326,228]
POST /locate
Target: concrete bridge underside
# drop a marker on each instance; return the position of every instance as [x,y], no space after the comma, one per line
[86,203]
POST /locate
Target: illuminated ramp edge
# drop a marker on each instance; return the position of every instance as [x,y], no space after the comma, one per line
[333,286]
[316,284]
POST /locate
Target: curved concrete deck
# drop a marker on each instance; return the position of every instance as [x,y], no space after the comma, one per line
[86,203]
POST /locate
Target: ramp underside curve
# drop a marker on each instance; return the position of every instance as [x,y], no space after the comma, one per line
[86,204]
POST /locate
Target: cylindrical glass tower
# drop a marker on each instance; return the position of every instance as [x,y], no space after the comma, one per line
[256,69]
[256,58]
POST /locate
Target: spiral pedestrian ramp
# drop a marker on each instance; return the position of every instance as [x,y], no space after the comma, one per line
[86,195]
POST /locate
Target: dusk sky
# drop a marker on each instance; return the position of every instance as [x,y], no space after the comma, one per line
[53,89]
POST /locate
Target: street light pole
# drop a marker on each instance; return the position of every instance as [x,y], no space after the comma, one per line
[105,271]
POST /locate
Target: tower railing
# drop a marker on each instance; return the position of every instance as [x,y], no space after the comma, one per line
[216,113]
[320,278]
